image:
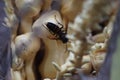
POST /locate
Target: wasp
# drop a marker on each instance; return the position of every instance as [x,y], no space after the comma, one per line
[59,32]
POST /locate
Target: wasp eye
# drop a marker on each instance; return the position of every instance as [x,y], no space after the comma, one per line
[65,40]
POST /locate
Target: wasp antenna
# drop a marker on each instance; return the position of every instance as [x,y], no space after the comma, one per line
[58,21]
